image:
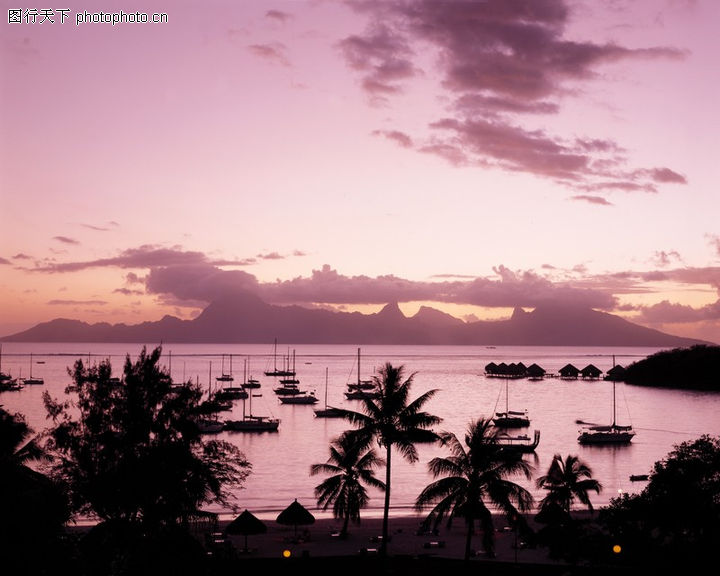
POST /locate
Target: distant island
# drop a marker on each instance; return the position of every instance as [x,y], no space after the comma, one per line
[245,318]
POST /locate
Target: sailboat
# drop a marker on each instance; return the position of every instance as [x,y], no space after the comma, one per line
[303,397]
[279,371]
[360,384]
[7,382]
[213,403]
[511,418]
[252,423]
[231,392]
[362,388]
[290,385]
[328,411]
[30,379]
[249,381]
[610,433]
[3,377]
[225,377]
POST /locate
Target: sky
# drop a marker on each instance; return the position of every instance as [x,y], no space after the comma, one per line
[473,156]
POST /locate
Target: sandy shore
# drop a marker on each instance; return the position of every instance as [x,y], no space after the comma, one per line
[321,539]
[318,548]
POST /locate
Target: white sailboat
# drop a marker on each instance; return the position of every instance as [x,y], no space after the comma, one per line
[609,433]
[511,418]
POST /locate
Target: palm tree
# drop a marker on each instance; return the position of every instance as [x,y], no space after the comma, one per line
[31,503]
[565,481]
[472,476]
[18,446]
[351,464]
[393,421]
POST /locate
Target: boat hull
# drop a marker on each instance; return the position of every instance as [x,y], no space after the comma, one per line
[253,424]
[606,435]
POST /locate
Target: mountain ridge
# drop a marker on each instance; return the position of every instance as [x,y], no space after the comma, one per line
[248,319]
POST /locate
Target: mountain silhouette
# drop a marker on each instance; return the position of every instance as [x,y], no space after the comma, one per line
[245,318]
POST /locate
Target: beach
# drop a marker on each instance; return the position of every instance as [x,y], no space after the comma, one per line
[410,549]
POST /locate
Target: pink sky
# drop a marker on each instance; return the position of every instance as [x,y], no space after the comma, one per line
[472,156]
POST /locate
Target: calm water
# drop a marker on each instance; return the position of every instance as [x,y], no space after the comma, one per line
[281,460]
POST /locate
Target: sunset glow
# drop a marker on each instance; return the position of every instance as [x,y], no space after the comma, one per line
[471,156]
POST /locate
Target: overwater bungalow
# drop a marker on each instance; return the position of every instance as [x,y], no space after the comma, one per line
[616,373]
[569,372]
[535,372]
[590,372]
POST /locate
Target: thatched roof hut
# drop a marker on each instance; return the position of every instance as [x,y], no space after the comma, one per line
[616,373]
[591,371]
[535,371]
[569,371]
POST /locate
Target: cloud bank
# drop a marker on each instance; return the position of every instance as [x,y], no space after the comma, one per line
[501,64]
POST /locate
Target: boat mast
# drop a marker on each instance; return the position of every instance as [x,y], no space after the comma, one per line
[275,356]
[249,393]
[507,401]
[358,363]
[613,381]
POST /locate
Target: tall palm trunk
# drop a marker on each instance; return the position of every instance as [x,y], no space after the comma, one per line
[386,511]
[469,525]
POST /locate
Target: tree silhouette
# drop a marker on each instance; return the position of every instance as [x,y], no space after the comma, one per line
[472,478]
[674,520]
[566,480]
[131,452]
[33,508]
[350,465]
[394,422]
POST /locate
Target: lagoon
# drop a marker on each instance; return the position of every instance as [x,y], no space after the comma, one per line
[281,460]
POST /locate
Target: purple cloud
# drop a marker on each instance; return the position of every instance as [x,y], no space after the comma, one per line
[398,137]
[498,60]
[278,16]
[145,256]
[591,199]
[200,282]
[110,225]
[65,240]
[77,302]
[275,52]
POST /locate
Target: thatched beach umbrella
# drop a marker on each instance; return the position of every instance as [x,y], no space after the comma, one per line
[246,523]
[295,515]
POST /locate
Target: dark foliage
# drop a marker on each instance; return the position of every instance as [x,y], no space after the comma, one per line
[674,520]
[472,478]
[117,547]
[396,423]
[130,452]
[33,508]
[694,368]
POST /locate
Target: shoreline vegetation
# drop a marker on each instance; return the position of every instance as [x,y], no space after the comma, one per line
[130,452]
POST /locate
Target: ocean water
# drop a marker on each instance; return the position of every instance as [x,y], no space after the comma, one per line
[281,460]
